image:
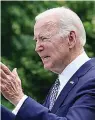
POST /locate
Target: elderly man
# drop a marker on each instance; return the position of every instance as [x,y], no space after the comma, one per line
[60,38]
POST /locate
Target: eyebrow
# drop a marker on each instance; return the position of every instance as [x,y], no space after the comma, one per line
[35,37]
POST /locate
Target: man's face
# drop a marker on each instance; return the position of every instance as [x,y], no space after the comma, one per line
[50,45]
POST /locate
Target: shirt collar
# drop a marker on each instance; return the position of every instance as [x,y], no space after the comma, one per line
[69,71]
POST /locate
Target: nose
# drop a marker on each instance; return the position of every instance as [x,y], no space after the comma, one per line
[39,47]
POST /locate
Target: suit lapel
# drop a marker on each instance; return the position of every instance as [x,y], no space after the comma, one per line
[72,82]
[68,87]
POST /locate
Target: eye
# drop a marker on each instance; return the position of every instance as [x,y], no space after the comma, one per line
[43,38]
[36,40]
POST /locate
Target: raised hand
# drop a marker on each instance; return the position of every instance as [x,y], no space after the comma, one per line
[10,84]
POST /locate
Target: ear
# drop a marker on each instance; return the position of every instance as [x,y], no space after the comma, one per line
[72,39]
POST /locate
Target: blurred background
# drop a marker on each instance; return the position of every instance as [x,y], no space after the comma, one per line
[18,47]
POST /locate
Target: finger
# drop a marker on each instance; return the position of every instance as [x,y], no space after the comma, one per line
[3,75]
[15,72]
[4,82]
[3,88]
[5,69]
[4,85]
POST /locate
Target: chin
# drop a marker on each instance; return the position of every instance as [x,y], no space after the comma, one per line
[48,67]
[52,68]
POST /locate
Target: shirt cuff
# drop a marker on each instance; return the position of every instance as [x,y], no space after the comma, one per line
[15,111]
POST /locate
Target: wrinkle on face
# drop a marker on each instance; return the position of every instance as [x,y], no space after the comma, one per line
[46,29]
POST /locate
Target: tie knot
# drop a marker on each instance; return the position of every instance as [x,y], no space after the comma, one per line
[57,82]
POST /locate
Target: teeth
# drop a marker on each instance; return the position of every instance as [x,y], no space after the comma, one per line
[45,57]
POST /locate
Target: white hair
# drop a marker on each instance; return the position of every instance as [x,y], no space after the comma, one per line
[69,21]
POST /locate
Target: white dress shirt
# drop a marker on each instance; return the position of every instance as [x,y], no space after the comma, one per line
[64,77]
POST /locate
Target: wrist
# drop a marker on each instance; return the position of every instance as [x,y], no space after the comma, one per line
[17,99]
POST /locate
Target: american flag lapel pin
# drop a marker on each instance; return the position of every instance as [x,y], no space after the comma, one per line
[72,82]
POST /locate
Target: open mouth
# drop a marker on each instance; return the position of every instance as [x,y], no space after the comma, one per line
[45,57]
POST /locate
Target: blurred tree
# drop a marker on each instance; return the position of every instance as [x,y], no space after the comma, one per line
[18,47]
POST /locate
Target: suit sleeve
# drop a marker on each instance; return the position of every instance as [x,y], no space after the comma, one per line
[6,114]
[82,109]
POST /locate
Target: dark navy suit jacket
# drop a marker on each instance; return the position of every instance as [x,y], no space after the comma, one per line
[75,102]
[6,114]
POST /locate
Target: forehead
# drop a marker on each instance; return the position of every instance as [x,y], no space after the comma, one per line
[47,25]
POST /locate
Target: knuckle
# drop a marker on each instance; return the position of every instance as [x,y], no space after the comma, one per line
[8,77]
[3,87]
[13,76]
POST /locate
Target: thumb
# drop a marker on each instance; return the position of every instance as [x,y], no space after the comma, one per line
[15,71]
[16,74]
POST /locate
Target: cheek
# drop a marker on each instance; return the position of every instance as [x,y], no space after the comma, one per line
[56,54]
[55,58]
[61,53]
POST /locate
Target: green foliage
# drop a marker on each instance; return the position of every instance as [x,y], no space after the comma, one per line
[18,47]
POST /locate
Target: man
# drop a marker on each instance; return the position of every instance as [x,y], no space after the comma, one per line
[60,38]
